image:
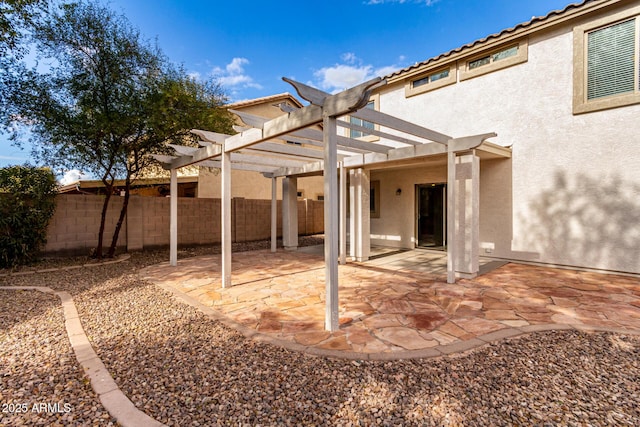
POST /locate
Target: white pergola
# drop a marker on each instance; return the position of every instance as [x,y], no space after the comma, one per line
[292,145]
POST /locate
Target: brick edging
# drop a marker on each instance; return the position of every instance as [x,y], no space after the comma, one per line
[118,259]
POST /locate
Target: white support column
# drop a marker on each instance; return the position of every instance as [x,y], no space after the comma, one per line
[467,216]
[360,216]
[353,236]
[331,222]
[343,215]
[290,213]
[451,217]
[173,218]
[226,219]
[274,214]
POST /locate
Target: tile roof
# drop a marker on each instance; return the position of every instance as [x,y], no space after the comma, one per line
[524,25]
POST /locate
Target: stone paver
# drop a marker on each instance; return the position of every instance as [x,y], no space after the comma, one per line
[388,307]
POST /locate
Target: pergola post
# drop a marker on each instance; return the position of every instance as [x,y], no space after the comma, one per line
[360,216]
[331,222]
[274,214]
[290,213]
[352,215]
[173,218]
[468,204]
[226,219]
[451,217]
[343,215]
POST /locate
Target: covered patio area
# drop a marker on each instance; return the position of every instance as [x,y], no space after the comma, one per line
[290,146]
[400,305]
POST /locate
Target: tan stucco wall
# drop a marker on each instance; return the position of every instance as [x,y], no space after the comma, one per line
[571,192]
[396,225]
[252,185]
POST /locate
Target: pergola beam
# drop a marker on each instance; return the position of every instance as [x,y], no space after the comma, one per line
[183,150]
[401,125]
[208,136]
[314,137]
[332,105]
[249,119]
[239,166]
[318,97]
[295,150]
[203,153]
[374,132]
[266,160]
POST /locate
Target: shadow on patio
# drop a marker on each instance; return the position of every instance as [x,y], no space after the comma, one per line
[399,305]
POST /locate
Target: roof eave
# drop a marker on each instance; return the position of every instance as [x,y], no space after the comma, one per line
[553,18]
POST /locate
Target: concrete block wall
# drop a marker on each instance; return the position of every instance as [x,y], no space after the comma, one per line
[76,222]
[74,226]
[252,219]
[315,224]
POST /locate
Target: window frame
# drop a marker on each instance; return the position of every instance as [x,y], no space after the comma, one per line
[520,57]
[580,60]
[369,138]
[374,187]
[452,78]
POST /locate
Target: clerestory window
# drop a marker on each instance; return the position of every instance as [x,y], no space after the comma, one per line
[431,80]
[497,59]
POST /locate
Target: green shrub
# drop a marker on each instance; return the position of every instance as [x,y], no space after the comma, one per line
[27,203]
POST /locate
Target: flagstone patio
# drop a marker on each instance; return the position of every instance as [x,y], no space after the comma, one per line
[398,305]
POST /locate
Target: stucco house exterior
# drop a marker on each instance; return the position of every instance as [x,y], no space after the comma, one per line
[562,92]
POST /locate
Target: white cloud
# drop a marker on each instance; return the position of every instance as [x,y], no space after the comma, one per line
[425,2]
[342,76]
[383,71]
[236,65]
[233,75]
[72,176]
[349,57]
[351,73]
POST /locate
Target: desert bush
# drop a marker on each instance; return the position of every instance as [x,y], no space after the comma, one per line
[27,203]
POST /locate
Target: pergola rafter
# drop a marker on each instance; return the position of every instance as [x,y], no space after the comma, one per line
[285,147]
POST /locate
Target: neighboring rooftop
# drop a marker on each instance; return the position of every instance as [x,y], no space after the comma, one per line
[286,96]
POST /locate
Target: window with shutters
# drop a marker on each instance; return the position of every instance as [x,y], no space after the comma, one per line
[606,64]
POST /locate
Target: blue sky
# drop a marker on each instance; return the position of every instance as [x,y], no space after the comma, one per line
[249,45]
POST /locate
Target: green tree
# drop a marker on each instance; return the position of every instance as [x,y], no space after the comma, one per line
[27,203]
[109,100]
[16,16]
[17,19]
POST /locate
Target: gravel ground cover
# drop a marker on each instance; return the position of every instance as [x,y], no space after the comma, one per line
[40,380]
[183,368]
